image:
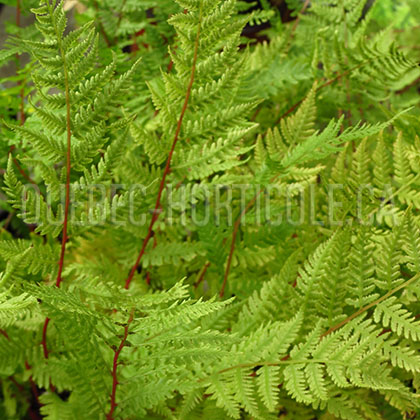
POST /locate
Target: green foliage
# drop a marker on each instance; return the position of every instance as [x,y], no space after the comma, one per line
[238,214]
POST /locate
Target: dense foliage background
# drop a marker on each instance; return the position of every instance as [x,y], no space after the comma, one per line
[209,209]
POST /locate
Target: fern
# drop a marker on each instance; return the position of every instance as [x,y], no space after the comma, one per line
[209,210]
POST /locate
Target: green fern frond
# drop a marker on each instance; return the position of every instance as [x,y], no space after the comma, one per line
[401,321]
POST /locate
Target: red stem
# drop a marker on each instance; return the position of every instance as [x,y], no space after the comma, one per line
[110,415]
[148,278]
[32,383]
[4,333]
[32,414]
[166,171]
[202,274]
[18,13]
[232,244]
[44,337]
[20,169]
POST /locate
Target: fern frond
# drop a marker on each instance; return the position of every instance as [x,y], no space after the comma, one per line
[300,126]
[395,316]
[15,308]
